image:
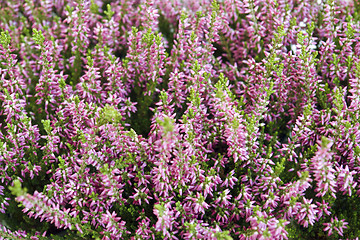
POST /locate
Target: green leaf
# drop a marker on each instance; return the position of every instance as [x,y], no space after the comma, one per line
[38,36]
[16,189]
[5,38]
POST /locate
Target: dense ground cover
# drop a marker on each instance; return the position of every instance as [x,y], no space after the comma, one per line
[179,119]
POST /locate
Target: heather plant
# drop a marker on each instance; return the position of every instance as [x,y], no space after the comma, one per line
[149,119]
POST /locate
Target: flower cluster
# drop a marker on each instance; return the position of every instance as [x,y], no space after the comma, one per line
[197,119]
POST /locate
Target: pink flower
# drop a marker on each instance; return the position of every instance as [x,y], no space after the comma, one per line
[200,204]
[345,179]
[335,224]
[308,213]
[323,170]
[165,218]
[323,207]
[113,226]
